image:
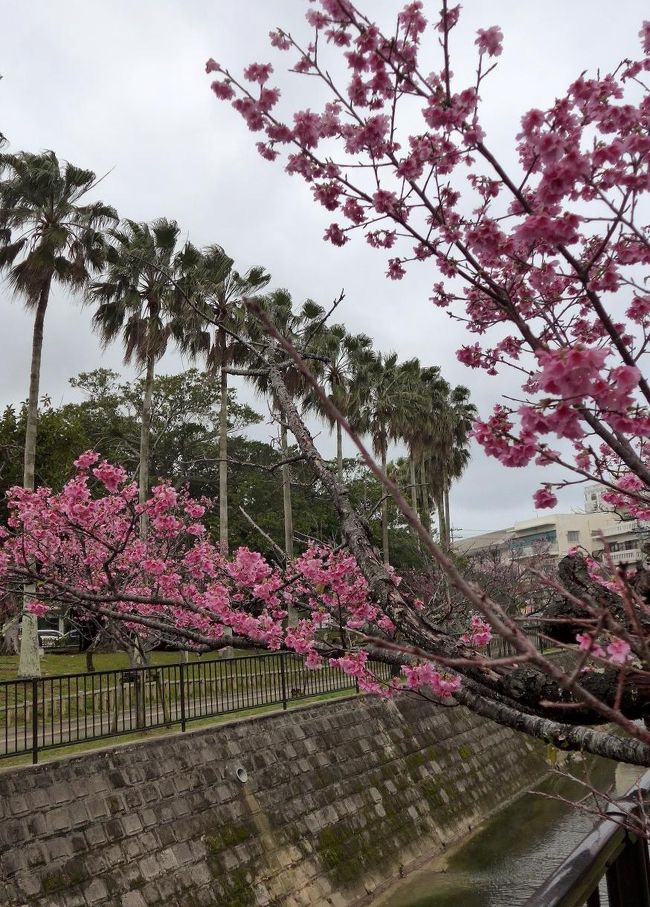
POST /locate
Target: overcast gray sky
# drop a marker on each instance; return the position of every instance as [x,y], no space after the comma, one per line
[119,86]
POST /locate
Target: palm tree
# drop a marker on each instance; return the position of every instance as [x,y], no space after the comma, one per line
[344,355]
[46,236]
[381,393]
[137,298]
[446,453]
[463,413]
[300,328]
[221,292]
[415,430]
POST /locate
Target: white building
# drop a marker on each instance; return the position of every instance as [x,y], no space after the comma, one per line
[553,534]
[556,533]
[623,535]
[484,543]
[625,540]
[594,498]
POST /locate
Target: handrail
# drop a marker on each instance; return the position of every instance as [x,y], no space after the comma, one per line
[610,850]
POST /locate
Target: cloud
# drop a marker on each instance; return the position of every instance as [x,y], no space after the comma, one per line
[120,87]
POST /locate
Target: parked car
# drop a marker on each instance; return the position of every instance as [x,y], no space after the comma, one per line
[69,640]
[48,638]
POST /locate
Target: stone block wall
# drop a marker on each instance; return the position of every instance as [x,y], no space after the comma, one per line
[339,795]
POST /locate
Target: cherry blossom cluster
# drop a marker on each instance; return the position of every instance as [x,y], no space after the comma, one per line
[480,632]
[543,261]
[636,504]
[83,547]
[616,651]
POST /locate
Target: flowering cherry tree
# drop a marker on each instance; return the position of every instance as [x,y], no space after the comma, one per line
[543,262]
[81,548]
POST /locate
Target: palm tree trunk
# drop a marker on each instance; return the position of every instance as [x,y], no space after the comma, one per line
[424,491]
[440,507]
[223,448]
[414,484]
[29,664]
[384,515]
[339,451]
[145,441]
[29,463]
[286,495]
[447,520]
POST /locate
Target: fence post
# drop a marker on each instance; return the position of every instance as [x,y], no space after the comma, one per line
[34,720]
[182,677]
[284,680]
[628,879]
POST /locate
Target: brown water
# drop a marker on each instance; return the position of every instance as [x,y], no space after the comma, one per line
[513,853]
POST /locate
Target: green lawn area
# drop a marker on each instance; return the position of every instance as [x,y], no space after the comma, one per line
[103,661]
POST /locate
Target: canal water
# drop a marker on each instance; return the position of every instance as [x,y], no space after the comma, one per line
[510,856]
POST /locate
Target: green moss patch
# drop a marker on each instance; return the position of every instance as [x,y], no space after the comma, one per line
[227,836]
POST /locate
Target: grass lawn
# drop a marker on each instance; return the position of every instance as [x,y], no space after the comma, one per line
[103,661]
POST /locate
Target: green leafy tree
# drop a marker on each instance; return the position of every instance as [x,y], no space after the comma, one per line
[186,413]
[415,428]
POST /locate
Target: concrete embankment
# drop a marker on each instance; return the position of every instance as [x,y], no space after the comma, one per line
[338,799]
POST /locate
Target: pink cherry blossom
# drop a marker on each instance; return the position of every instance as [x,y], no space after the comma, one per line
[544,498]
[336,235]
[490,41]
[396,269]
[279,40]
[258,72]
[644,34]
[480,632]
[39,609]
[223,90]
[586,643]
[86,460]
[618,651]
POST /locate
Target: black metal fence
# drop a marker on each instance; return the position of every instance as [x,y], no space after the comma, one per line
[610,868]
[501,648]
[63,710]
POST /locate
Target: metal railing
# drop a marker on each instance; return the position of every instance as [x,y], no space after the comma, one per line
[501,648]
[610,867]
[50,712]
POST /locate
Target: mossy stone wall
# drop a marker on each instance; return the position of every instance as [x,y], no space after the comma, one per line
[340,796]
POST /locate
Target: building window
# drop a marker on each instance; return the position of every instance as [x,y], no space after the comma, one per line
[573,535]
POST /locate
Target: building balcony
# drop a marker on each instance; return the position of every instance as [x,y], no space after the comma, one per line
[625,527]
[633,556]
